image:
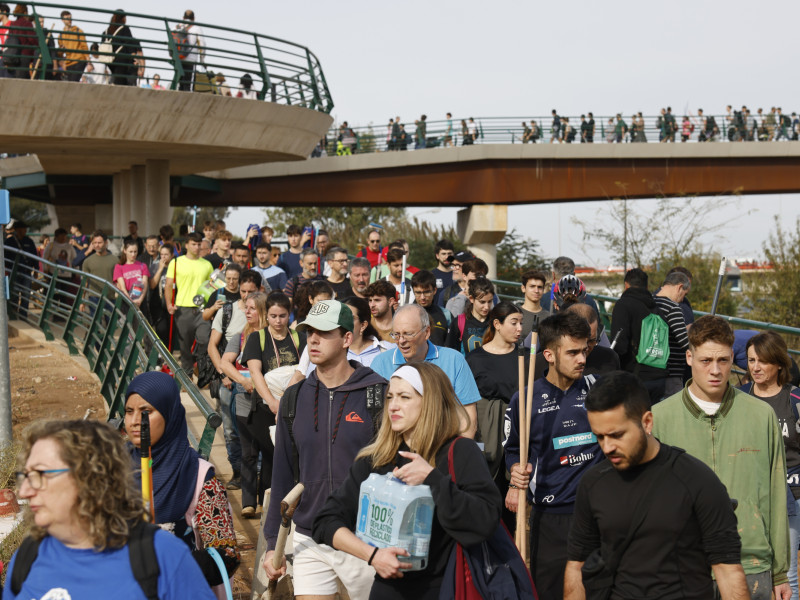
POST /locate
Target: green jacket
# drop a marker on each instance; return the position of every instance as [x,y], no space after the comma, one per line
[743,445]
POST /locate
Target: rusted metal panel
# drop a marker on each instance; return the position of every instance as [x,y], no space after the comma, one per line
[517,182]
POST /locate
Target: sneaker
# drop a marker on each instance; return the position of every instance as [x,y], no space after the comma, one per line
[249,512]
[234,484]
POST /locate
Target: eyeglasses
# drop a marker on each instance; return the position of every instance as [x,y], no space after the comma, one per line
[423,292]
[36,477]
[455,266]
[404,336]
[593,342]
[374,241]
[339,260]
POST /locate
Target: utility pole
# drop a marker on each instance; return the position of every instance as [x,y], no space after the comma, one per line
[5,363]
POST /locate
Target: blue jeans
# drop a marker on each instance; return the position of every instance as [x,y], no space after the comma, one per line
[794,540]
[227,410]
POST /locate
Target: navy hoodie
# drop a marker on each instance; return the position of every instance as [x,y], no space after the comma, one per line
[327,450]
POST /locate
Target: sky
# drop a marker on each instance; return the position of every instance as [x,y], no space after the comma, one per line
[508,58]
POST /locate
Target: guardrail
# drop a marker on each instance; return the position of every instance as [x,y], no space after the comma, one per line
[111,333]
[281,71]
[510,130]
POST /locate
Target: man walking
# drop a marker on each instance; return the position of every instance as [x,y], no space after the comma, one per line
[562,447]
[188,272]
[739,438]
[337,261]
[72,49]
[674,289]
[332,419]
[670,508]
[359,276]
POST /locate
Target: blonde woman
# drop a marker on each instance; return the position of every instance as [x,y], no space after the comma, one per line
[421,420]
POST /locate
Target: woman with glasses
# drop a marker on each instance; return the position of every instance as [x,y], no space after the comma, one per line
[188,499]
[84,508]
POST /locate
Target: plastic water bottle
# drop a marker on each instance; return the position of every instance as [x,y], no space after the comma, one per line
[391,513]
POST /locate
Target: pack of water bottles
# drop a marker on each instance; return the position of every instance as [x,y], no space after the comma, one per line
[391,513]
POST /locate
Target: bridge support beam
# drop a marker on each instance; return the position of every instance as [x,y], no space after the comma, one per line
[141,194]
[481,227]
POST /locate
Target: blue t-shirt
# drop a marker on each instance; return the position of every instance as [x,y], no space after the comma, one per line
[274,276]
[62,573]
[450,361]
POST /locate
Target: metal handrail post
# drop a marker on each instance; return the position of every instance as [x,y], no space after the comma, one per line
[177,65]
[264,72]
[317,98]
[69,328]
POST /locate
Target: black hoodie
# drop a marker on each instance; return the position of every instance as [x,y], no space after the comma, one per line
[630,310]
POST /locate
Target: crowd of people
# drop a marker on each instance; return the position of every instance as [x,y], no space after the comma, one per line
[368,364]
[117,58]
[735,126]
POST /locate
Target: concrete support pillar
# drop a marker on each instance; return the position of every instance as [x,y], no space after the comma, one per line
[103,217]
[137,205]
[157,210]
[122,201]
[481,227]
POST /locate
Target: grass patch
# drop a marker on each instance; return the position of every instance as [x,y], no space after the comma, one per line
[10,544]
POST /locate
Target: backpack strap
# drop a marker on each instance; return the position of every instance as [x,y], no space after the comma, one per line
[26,556]
[462,323]
[375,405]
[144,562]
[262,338]
[288,405]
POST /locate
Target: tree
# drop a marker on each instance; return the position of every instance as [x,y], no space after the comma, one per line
[366,141]
[32,212]
[516,254]
[668,237]
[347,226]
[184,215]
[775,294]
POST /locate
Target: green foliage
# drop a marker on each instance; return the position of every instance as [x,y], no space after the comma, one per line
[640,238]
[704,267]
[184,215]
[421,237]
[775,294]
[366,141]
[347,226]
[516,254]
[32,212]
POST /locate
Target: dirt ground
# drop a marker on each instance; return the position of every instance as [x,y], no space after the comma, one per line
[47,383]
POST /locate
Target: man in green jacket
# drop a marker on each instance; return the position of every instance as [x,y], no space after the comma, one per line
[738,437]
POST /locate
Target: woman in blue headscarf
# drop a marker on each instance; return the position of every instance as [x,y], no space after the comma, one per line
[188,499]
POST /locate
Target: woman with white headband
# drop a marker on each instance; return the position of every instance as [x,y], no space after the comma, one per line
[421,419]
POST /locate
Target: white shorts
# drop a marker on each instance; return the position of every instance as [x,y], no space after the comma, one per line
[317,566]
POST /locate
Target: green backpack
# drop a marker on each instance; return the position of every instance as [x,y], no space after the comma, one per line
[653,342]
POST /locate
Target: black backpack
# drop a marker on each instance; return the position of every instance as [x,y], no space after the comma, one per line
[141,548]
[288,408]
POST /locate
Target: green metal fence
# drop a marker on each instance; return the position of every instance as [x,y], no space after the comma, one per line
[510,130]
[94,319]
[281,71]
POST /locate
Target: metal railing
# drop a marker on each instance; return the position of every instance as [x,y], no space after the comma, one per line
[510,130]
[281,71]
[96,320]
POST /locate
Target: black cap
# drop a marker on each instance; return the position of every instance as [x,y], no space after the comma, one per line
[463,256]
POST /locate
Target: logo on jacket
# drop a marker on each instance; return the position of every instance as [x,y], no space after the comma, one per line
[545,409]
[577,439]
[353,417]
[576,459]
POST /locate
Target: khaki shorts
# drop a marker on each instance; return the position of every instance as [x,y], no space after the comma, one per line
[317,567]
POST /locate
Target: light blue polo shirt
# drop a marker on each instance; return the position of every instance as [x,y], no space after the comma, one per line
[448,360]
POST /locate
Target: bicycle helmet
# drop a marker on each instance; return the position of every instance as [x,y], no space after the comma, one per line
[568,290]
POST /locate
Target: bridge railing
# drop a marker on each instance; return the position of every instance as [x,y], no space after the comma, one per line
[281,71]
[510,130]
[96,320]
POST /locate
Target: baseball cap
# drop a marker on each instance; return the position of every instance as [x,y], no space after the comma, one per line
[327,315]
[463,256]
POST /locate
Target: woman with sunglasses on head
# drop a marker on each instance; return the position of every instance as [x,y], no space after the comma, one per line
[84,510]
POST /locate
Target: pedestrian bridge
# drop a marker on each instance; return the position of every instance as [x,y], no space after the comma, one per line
[513,174]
